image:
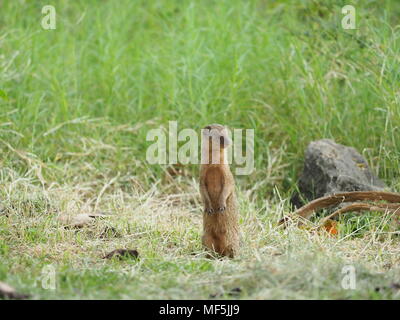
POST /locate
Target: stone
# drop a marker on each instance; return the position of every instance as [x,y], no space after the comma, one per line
[330,168]
[122,253]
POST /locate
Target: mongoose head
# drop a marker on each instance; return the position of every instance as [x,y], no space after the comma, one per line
[217,136]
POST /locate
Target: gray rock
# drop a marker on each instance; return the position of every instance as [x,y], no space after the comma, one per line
[330,168]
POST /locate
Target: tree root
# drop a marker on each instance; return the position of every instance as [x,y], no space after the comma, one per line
[394,206]
[355,207]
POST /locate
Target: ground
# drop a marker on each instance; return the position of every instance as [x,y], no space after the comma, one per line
[77,102]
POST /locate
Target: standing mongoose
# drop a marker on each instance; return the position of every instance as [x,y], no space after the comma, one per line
[217,188]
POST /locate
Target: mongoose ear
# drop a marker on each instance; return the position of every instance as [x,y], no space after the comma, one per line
[206,131]
[225,141]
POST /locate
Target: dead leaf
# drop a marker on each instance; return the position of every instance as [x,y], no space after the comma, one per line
[331,227]
[122,253]
[78,220]
[9,292]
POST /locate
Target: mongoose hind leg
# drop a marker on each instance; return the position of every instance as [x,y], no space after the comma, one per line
[218,245]
[229,251]
[209,242]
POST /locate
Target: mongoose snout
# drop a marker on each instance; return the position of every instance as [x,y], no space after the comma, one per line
[217,188]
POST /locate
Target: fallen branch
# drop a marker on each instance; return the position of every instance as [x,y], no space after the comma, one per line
[388,207]
[324,202]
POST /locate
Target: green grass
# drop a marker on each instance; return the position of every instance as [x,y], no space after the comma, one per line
[77,102]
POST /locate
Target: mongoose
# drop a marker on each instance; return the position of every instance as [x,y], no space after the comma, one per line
[217,188]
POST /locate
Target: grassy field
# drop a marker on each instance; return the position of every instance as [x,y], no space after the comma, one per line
[77,102]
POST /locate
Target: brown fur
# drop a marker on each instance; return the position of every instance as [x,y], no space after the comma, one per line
[217,188]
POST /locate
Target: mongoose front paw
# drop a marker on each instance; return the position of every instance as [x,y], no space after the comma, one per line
[222,208]
[209,210]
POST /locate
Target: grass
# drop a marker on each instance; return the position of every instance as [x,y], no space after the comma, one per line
[77,102]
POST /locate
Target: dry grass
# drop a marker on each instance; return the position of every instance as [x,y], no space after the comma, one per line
[77,102]
[165,228]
